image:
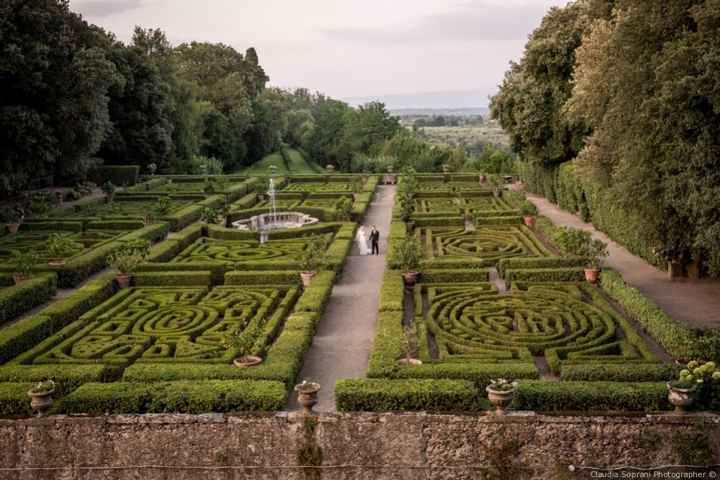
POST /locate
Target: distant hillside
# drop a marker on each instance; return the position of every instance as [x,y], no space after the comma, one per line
[430,112]
[453,100]
[294,163]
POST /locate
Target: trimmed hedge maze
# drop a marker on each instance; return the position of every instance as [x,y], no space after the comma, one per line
[495,300]
[169,324]
[565,323]
[489,244]
[204,296]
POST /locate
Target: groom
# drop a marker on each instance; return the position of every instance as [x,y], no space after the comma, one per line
[375,241]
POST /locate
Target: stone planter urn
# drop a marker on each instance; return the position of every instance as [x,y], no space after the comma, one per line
[56,262]
[13,227]
[413,362]
[307,278]
[41,402]
[681,398]
[307,395]
[500,399]
[592,275]
[123,280]
[247,361]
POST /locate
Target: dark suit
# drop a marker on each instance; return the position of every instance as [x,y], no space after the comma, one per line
[375,241]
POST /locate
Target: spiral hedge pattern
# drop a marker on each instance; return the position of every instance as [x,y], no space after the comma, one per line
[233,251]
[162,324]
[487,243]
[563,322]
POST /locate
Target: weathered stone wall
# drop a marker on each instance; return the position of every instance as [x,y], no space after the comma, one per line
[366,446]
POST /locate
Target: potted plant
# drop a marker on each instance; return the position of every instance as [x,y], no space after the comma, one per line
[330,168]
[343,209]
[482,178]
[307,395]
[242,344]
[528,210]
[109,188]
[693,383]
[496,183]
[580,243]
[152,168]
[500,393]
[313,258]
[213,216]
[445,168]
[163,205]
[410,345]
[407,255]
[41,396]
[12,217]
[127,259]
[24,261]
[58,247]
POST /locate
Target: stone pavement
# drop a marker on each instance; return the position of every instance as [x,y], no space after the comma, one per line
[343,341]
[695,302]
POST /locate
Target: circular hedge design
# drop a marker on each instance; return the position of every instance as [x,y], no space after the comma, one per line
[163,324]
[486,243]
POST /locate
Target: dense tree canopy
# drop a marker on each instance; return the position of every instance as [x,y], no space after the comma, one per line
[630,89]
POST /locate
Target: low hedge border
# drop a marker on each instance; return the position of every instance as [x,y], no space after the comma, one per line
[380,395]
[24,334]
[678,339]
[18,299]
[316,296]
[175,397]
[391,291]
[262,278]
[625,372]
[67,377]
[545,275]
[458,275]
[535,263]
[546,396]
[175,278]
[14,400]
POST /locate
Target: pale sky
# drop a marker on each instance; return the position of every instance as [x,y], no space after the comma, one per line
[351,48]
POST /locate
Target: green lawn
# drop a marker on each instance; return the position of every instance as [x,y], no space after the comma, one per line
[297,165]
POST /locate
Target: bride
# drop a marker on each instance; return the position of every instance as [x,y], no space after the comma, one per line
[362,240]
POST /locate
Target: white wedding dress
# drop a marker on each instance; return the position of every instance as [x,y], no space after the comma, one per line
[362,240]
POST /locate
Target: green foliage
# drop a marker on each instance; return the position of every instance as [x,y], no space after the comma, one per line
[314,257]
[175,397]
[528,209]
[24,261]
[581,244]
[60,246]
[588,396]
[14,399]
[593,372]
[127,258]
[382,395]
[407,254]
[18,299]
[344,208]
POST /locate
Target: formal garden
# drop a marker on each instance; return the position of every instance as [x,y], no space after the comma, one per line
[152,298]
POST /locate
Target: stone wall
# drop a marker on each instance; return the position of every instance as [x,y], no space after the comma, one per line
[348,446]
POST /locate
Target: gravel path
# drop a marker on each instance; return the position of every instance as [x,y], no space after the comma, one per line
[695,302]
[344,338]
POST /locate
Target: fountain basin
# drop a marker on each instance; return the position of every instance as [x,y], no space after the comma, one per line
[275,221]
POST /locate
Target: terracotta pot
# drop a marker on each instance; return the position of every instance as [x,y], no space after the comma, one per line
[410,278]
[410,361]
[56,262]
[18,278]
[680,398]
[592,274]
[483,178]
[123,280]
[41,402]
[13,227]
[529,221]
[307,278]
[307,396]
[675,269]
[247,361]
[500,399]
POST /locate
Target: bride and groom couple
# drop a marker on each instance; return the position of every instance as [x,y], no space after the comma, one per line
[368,240]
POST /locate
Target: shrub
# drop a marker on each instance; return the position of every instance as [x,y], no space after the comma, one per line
[14,399]
[314,257]
[623,372]
[528,209]
[407,254]
[67,377]
[316,296]
[18,299]
[581,244]
[117,174]
[175,397]
[381,395]
[584,396]
[545,275]
[173,278]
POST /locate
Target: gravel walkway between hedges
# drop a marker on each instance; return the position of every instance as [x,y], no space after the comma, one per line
[341,346]
[695,302]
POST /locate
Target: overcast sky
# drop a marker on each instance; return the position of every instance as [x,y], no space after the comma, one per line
[458,49]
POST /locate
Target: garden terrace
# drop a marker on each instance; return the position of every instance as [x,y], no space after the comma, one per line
[124,351]
[231,187]
[92,247]
[331,184]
